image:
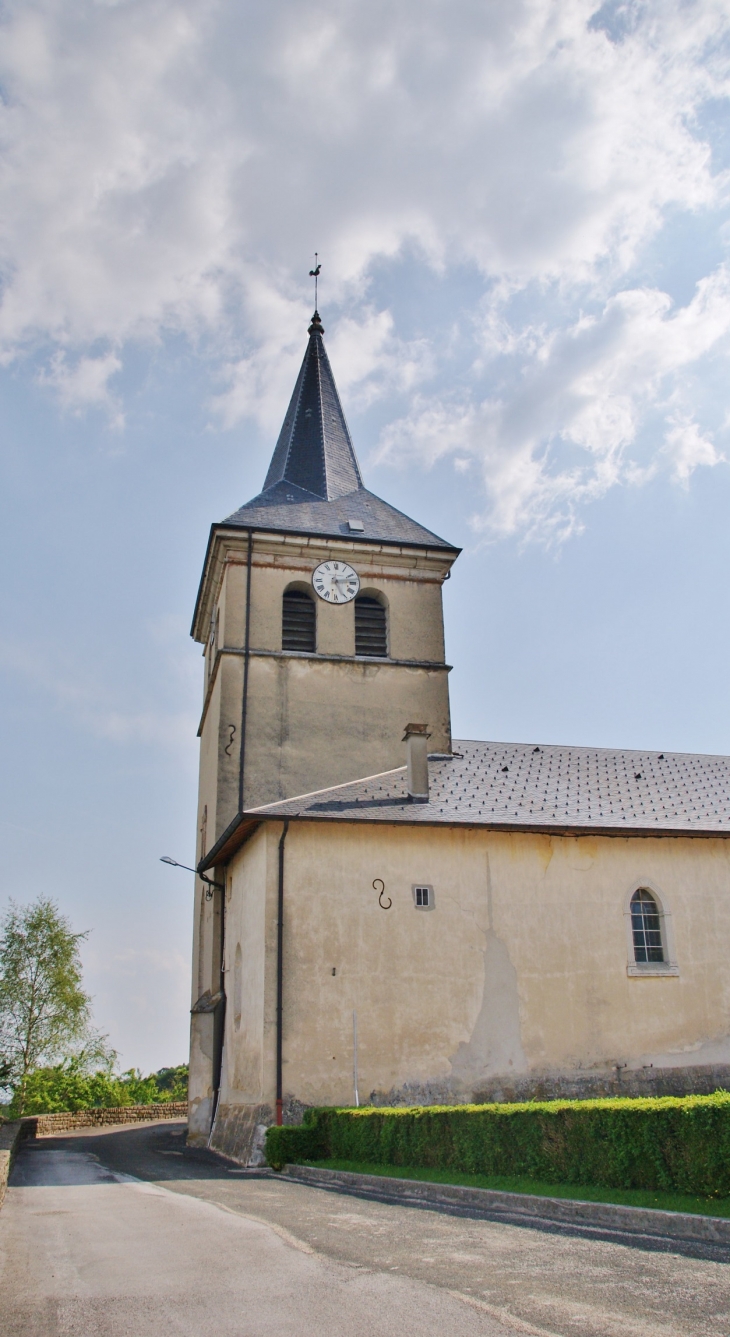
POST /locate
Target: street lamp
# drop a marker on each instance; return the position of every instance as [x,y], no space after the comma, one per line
[209,883]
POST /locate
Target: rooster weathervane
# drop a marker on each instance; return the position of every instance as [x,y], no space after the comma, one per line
[314,274]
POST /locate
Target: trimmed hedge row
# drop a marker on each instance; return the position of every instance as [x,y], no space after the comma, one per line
[663,1143]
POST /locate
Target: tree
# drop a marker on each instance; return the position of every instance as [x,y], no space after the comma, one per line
[45,1015]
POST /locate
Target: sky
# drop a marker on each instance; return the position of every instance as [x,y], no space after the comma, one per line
[521,211]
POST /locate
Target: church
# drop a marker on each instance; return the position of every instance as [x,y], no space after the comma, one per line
[387,915]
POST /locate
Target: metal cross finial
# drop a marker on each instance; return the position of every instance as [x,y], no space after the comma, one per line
[314,274]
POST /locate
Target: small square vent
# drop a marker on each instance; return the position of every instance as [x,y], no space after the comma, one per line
[356,526]
[423,897]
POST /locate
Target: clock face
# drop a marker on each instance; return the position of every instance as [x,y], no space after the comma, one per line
[335,582]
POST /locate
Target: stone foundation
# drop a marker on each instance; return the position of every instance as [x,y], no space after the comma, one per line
[578,1084]
[239,1132]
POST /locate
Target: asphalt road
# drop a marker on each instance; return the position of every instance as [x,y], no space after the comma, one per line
[122,1234]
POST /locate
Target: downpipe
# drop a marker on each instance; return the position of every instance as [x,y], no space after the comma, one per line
[280,982]
[219,1019]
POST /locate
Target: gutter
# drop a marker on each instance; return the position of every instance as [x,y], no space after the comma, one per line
[245,823]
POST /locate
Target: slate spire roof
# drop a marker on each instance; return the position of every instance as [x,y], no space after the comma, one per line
[314,449]
[314,485]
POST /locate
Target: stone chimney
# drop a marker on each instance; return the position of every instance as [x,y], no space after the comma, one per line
[416,738]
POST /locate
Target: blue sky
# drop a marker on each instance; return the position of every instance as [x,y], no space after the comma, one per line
[522,215]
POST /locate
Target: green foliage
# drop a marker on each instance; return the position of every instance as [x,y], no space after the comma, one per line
[290,1143]
[174,1081]
[665,1143]
[68,1087]
[44,1013]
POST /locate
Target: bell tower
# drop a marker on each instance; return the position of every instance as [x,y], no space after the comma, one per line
[307,686]
[320,614]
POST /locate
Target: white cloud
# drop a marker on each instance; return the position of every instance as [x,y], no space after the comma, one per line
[592,387]
[369,359]
[85,383]
[688,449]
[169,166]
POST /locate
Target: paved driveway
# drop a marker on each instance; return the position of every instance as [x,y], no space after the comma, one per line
[194,1247]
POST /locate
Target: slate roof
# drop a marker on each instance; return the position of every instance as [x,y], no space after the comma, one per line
[514,786]
[314,485]
[287,507]
[314,449]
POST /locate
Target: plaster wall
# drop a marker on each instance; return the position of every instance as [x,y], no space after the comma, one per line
[208,768]
[322,719]
[316,723]
[205,982]
[246,975]
[521,968]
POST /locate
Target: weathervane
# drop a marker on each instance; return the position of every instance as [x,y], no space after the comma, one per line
[314,274]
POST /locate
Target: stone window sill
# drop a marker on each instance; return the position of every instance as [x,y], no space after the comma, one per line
[651,968]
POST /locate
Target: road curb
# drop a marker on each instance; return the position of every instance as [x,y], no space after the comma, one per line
[525,1208]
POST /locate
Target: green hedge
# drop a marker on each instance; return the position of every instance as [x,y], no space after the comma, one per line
[289,1144]
[665,1143]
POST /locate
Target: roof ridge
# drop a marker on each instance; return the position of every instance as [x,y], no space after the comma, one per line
[318,370]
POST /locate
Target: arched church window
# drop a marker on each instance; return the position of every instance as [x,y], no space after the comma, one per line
[371,628]
[646,927]
[299,622]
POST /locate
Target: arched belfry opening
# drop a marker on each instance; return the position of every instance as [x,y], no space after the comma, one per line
[371,626]
[298,622]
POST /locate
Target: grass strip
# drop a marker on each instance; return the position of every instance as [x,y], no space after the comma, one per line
[622,1197]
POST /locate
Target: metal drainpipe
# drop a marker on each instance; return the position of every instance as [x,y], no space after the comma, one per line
[219,1019]
[280,980]
[219,1028]
[246,659]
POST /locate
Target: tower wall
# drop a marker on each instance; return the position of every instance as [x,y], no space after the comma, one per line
[314,720]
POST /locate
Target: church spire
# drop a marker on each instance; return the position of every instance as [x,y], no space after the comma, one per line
[314,450]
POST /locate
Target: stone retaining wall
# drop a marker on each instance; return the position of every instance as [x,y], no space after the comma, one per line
[10,1136]
[48,1125]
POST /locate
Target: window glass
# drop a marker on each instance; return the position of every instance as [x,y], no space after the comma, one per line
[646,927]
[299,622]
[423,897]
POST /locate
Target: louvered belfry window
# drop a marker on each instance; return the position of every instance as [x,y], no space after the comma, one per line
[371,632]
[299,622]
